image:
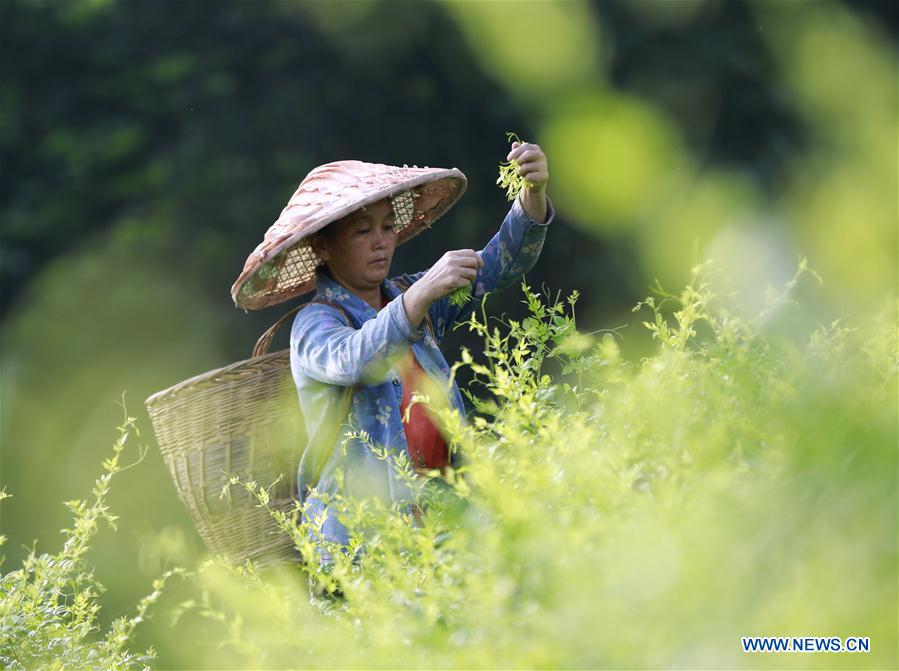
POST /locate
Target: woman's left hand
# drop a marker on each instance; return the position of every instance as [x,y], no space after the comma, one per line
[532,165]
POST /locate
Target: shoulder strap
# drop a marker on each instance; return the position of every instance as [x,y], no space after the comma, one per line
[265,340]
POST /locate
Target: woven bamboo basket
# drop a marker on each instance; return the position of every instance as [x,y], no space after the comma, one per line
[244,420]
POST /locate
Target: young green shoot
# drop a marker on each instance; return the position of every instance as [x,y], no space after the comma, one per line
[460,296]
[509,179]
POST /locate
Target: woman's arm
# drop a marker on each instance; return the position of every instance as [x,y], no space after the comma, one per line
[330,350]
[512,252]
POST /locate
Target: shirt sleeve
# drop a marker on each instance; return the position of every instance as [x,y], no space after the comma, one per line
[330,350]
[512,252]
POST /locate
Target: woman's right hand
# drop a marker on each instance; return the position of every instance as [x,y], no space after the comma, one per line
[455,269]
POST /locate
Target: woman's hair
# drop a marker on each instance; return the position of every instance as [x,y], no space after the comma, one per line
[327,233]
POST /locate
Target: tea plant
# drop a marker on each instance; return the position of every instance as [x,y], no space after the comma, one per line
[49,607]
[735,481]
[612,513]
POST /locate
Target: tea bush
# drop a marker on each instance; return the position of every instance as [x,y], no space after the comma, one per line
[740,481]
[612,513]
[49,607]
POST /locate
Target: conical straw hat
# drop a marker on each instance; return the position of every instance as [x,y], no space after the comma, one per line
[283,265]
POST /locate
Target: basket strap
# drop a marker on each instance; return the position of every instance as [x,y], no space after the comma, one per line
[265,340]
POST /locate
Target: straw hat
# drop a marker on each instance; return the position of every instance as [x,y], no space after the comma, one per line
[284,264]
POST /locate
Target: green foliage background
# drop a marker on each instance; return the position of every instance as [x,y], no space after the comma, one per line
[146,147]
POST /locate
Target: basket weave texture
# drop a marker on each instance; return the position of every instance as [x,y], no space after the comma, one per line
[283,264]
[243,420]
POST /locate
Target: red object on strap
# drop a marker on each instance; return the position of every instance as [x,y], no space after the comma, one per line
[426,446]
[427,449]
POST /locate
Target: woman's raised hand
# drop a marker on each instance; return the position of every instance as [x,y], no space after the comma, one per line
[533,166]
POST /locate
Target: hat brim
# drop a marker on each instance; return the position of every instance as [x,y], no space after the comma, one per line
[284,266]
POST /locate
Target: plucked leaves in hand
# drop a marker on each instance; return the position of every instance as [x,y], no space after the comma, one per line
[460,296]
[509,179]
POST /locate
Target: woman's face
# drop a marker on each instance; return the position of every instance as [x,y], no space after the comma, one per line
[360,248]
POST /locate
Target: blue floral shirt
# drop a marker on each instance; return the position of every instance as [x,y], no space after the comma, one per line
[348,372]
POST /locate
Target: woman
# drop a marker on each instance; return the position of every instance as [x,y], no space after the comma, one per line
[359,349]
